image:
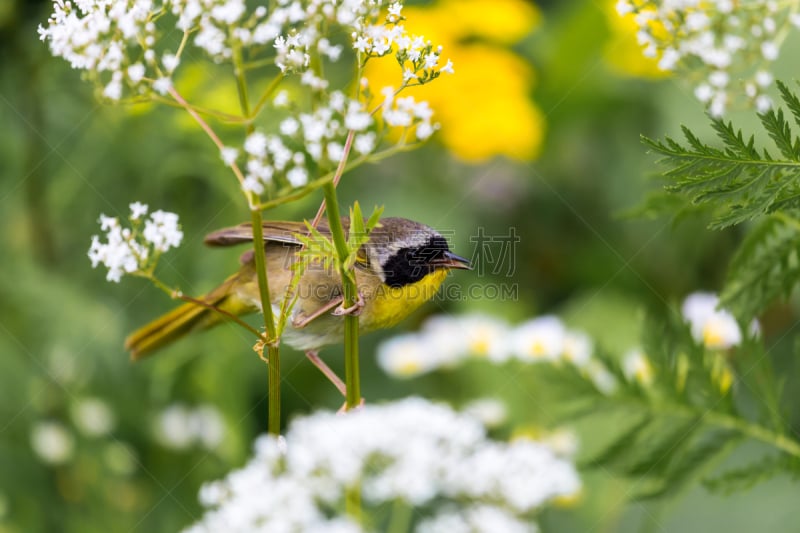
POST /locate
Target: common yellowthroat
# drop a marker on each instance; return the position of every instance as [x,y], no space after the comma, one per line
[397,270]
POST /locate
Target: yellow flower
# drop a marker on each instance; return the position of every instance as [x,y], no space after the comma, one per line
[622,52]
[484,109]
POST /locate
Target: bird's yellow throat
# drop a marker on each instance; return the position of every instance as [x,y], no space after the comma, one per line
[392,304]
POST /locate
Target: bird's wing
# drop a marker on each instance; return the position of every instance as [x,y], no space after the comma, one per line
[284,232]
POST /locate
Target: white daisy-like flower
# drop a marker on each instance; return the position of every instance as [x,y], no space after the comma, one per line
[541,339]
[713,327]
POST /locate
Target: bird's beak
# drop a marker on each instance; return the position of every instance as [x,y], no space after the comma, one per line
[453,261]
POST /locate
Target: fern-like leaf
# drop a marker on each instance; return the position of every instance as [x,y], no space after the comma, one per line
[765,268]
[740,182]
[746,477]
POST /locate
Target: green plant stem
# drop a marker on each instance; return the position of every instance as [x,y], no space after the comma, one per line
[265,96]
[352,503]
[350,296]
[273,357]
[400,520]
[259,255]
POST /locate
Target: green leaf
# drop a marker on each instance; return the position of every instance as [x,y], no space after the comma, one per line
[690,462]
[359,232]
[740,182]
[765,268]
[317,248]
[618,447]
[748,476]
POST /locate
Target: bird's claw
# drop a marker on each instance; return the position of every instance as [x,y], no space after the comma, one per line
[354,309]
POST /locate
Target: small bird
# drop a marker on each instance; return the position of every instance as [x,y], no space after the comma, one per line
[401,266]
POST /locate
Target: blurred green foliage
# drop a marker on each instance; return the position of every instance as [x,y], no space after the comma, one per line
[64,158]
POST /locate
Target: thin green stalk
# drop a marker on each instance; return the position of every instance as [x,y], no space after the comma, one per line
[400,520]
[350,296]
[352,503]
[273,357]
[265,96]
[259,255]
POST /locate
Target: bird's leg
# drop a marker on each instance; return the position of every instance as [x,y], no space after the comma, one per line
[354,309]
[302,321]
[313,356]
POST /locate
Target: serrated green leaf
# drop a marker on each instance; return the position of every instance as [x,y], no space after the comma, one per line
[689,463]
[750,475]
[618,447]
[741,182]
[765,268]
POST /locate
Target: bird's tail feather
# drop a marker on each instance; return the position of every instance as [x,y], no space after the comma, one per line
[182,320]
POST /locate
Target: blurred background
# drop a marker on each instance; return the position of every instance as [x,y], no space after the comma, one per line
[540,133]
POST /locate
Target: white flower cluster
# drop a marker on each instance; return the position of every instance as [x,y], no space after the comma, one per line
[711,326]
[411,451]
[96,36]
[725,47]
[180,427]
[416,55]
[131,250]
[117,41]
[447,341]
[319,134]
[120,47]
[407,113]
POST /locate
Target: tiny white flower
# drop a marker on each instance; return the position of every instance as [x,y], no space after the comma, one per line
[539,339]
[170,62]
[173,427]
[490,411]
[636,367]
[229,155]
[718,104]
[256,144]
[716,329]
[404,356]
[601,377]
[162,85]
[137,210]
[763,103]
[335,151]
[577,348]
[364,143]
[113,91]
[281,99]
[703,92]
[52,442]
[162,230]
[289,126]
[136,72]
[297,176]
[769,50]
[763,78]
[448,68]
[93,417]
[253,185]
[669,59]
[719,78]
[624,7]
[424,130]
